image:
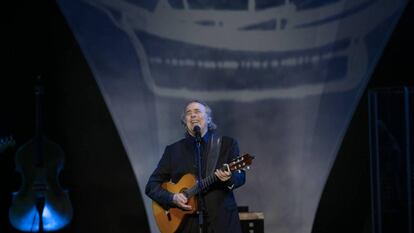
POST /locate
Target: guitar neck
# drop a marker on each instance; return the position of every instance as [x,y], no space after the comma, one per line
[205,183]
[236,164]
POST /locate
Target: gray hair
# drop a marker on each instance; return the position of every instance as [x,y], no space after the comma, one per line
[211,125]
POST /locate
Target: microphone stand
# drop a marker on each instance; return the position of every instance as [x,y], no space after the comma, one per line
[199,178]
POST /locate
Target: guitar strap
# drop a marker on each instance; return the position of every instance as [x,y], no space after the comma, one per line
[213,154]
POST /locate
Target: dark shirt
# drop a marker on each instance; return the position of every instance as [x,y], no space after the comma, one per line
[204,148]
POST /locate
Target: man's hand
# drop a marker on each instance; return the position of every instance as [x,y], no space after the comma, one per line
[223,175]
[181,200]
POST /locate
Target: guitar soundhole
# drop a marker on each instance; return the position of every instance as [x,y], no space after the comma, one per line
[184,191]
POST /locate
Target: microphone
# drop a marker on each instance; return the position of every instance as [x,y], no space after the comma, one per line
[197,133]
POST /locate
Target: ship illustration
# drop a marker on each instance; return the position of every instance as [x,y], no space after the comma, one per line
[250,54]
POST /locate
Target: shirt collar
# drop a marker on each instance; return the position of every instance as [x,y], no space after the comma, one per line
[204,139]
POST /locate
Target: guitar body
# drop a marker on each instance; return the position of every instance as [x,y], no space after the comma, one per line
[169,221]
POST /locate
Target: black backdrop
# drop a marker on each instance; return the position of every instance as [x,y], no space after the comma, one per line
[101,183]
[102,186]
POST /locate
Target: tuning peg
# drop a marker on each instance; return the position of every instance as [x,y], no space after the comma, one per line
[248,167]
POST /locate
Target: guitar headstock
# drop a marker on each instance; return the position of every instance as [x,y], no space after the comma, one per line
[6,142]
[241,163]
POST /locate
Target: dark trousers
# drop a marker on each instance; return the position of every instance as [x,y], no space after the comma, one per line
[190,225]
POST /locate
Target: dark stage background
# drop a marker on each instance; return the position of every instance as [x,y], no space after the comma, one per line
[97,172]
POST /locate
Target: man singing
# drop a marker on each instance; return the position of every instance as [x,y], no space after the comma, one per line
[180,158]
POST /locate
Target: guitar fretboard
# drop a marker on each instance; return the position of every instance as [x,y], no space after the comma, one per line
[205,183]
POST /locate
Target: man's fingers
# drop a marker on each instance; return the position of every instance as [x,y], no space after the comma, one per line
[223,175]
[186,207]
[180,199]
[183,199]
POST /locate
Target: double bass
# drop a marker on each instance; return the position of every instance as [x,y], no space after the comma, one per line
[40,204]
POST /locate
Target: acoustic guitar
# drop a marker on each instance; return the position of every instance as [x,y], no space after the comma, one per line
[169,221]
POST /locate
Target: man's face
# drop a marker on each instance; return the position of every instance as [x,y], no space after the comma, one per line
[195,114]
